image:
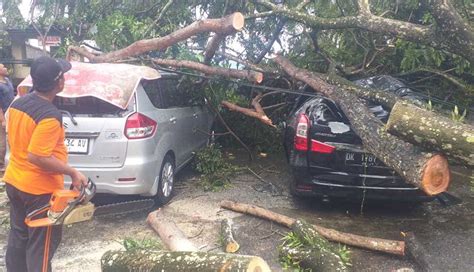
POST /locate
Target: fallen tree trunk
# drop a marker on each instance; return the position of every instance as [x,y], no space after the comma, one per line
[228,241]
[432,131]
[303,256]
[178,261]
[429,172]
[250,75]
[382,245]
[169,233]
[228,24]
[324,257]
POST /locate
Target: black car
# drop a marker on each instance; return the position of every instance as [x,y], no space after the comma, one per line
[327,158]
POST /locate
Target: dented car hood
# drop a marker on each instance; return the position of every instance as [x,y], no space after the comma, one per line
[114,83]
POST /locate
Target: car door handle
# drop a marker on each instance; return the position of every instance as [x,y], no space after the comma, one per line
[173,120]
[195,115]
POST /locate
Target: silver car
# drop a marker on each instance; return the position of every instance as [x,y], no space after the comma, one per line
[135,150]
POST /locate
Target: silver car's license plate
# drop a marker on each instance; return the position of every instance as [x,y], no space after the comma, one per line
[77,145]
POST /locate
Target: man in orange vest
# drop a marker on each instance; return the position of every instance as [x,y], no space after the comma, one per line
[38,161]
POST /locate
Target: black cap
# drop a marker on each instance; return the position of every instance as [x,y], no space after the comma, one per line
[45,71]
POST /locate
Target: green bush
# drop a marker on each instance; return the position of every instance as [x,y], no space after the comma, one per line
[215,171]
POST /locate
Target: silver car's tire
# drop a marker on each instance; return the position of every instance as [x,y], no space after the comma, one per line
[166,183]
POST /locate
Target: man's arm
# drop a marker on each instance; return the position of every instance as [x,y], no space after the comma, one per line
[52,164]
[44,140]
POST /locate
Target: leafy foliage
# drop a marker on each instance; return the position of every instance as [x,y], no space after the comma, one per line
[457,116]
[130,244]
[215,170]
[292,241]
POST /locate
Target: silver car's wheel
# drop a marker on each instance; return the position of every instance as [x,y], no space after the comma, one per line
[167,177]
[166,181]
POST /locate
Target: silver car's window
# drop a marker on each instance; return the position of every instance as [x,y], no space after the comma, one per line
[88,105]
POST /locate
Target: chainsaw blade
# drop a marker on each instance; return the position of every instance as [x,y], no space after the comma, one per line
[124,207]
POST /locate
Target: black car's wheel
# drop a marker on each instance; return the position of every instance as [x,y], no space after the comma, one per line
[166,183]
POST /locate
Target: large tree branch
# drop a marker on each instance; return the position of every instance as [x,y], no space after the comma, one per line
[367,21]
[227,72]
[458,36]
[455,32]
[233,22]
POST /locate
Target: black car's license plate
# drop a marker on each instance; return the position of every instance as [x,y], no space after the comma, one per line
[360,159]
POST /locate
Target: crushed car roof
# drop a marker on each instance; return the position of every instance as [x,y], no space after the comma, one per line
[111,82]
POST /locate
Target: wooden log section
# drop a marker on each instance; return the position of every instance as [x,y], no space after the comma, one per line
[180,261]
[432,131]
[429,172]
[324,257]
[228,24]
[169,233]
[377,244]
[228,241]
[250,75]
[305,257]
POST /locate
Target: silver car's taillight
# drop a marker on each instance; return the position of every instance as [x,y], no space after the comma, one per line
[139,126]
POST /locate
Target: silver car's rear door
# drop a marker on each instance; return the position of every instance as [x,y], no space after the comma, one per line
[94,132]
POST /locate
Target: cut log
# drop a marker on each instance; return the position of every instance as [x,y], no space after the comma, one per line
[178,261]
[432,131]
[228,241]
[169,233]
[228,24]
[377,244]
[250,75]
[306,259]
[324,257]
[429,172]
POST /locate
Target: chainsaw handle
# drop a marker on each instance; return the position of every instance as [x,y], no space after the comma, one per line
[86,193]
[35,213]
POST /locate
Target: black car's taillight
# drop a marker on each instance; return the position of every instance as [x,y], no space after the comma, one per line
[301,136]
[320,147]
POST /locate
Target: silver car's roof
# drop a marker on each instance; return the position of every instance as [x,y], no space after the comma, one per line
[111,82]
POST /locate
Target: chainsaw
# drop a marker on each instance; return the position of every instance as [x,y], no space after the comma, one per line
[70,206]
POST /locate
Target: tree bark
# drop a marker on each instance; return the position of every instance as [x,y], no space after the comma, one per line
[212,47]
[228,24]
[250,75]
[304,256]
[257,112]
[169,233]
[228,241]
[158,261]
[432,131]
[381,245]
[424,170]
[324,257]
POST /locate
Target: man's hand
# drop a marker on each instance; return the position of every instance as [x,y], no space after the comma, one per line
[78,180]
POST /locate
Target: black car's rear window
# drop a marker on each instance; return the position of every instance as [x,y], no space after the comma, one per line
[87,105]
